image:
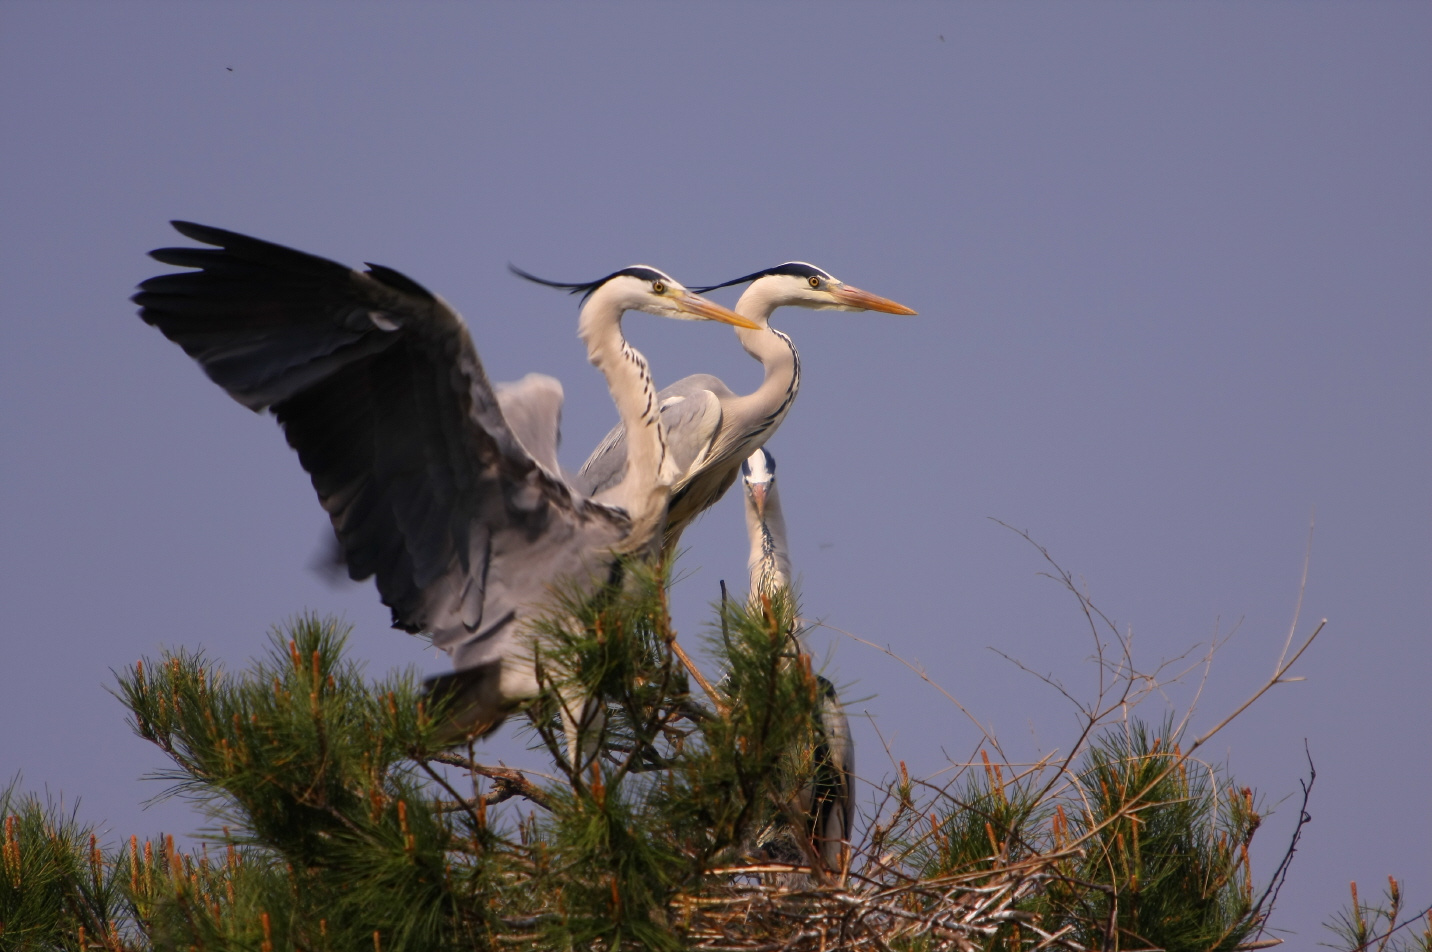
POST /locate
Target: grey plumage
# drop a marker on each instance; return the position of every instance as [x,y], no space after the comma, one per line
[457,509]
[825,798]
[532,408]
[691,413]
[711,441]
[828,801]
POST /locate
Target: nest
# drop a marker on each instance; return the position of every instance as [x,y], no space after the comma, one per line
[777,907]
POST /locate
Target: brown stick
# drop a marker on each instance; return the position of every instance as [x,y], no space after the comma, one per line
[696,673]
[509,782]
[669,634]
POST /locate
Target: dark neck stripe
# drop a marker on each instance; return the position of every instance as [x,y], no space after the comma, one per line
[791,389]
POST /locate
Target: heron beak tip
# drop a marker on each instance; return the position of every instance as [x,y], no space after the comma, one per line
[699,307]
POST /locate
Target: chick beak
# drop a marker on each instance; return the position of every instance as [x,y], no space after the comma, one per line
[758,499]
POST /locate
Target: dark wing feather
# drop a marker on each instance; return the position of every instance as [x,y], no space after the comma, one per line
[380,391]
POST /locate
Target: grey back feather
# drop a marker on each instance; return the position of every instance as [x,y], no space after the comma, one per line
[691,414]
[532,408]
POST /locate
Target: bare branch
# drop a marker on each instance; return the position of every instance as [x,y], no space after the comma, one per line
[508,782]
[994,742]
[1302,587]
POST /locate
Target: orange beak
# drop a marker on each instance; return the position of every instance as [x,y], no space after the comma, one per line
[854,297]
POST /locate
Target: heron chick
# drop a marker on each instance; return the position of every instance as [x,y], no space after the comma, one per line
[826,797]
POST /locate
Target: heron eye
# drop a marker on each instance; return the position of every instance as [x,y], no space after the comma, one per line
[814,281]
[659,287]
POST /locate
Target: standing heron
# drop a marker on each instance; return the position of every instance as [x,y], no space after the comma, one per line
[826,798]
[465,524]
[712,428]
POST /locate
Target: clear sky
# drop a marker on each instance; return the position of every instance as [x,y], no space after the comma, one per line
[1172,263]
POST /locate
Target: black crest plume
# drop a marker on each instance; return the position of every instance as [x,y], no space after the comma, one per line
[798,269]
[586,289]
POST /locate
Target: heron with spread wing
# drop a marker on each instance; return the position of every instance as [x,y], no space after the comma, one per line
[440,486]
[711,428]
[826,797]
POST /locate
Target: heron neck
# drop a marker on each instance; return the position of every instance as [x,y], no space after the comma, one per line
[770,560]
[645,489]
[774,350]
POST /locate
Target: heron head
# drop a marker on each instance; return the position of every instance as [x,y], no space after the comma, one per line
[758,475]
[801,284]
[644,288]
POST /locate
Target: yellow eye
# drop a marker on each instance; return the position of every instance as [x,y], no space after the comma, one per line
[659,287]
[814,281]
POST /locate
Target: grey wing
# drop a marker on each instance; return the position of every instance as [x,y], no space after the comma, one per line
[532,408]
[606,466]
[380,391]
[691,414]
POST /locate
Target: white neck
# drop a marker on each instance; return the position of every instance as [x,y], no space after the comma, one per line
[774,350]
[646,488]
[770,559]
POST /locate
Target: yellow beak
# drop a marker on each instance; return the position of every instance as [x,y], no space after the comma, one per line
[854,297]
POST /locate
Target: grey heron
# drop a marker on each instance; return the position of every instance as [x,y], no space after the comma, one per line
[464,522]
[712,428]
[826,797]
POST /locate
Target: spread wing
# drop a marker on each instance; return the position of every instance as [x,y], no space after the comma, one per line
[691,414]
[532,408]
[380,391]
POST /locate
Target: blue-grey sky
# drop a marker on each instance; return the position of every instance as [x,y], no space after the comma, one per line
[1172,268]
